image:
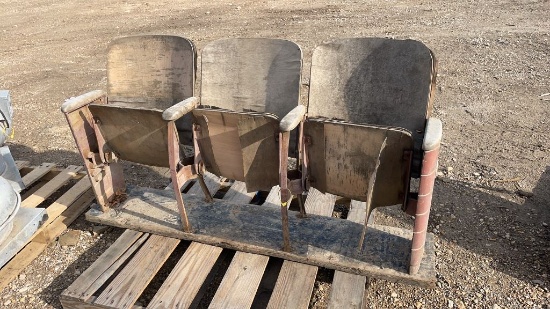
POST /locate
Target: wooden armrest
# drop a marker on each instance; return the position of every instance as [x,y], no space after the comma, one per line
[432,136]
[176,111]
[75,103]
[292,119]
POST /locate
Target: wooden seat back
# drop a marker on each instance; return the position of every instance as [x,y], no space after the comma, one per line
[374,81]
[379,89]
[246,86]
[152,71]
[251,75]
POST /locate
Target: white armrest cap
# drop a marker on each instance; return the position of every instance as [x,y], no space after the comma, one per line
[176,111]
[292,119]
[432,136]
[75,103]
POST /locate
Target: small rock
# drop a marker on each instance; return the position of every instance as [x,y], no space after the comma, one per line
[495,306]
[544,224]
[450,304]
[7,302]
[418,305]
[524,193]
[449,169]
[22,277]
[23,289]
[70,238]
[539,282]
[393,294]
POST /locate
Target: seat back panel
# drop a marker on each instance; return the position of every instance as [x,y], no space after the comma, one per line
[153,71]
[343,156]
[240,146]
[243,75]
[373,81]
[134,134]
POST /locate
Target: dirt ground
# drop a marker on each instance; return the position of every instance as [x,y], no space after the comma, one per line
[491,210]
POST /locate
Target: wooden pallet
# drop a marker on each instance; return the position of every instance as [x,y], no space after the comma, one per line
[64,193]
[250,280]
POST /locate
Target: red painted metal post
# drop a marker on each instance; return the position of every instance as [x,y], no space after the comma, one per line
[422,215]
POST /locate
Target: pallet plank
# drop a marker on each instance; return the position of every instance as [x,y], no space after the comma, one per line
[20,262]
[186,279]
[273,199]
[212,181]
[294,286]
[241,279]
[237,193]
[97,274]
[295,283]
[22,164]
[125,288]
[348,290]
[62,203]
[184,282]
[320,204]
[62,222]
[51,186]
[37,173]
[34,248]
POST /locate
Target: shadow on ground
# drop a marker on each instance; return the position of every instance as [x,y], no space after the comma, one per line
[515,237]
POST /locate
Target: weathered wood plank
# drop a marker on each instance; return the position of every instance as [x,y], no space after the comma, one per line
[213,183]
[37,173]
[273,199]
[62,203]
[294,286]
[257,230]
[51,186]
[237,193]
[348,290]
[184,282]
[22,164]
[97,274]
[240,281]
[60,224]
[124,290]
[255,270]
[295,282]
[20,262]
[320,204]
[182,285]
[34,248]
[68,303]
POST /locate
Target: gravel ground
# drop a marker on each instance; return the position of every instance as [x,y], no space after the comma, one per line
[491,212]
